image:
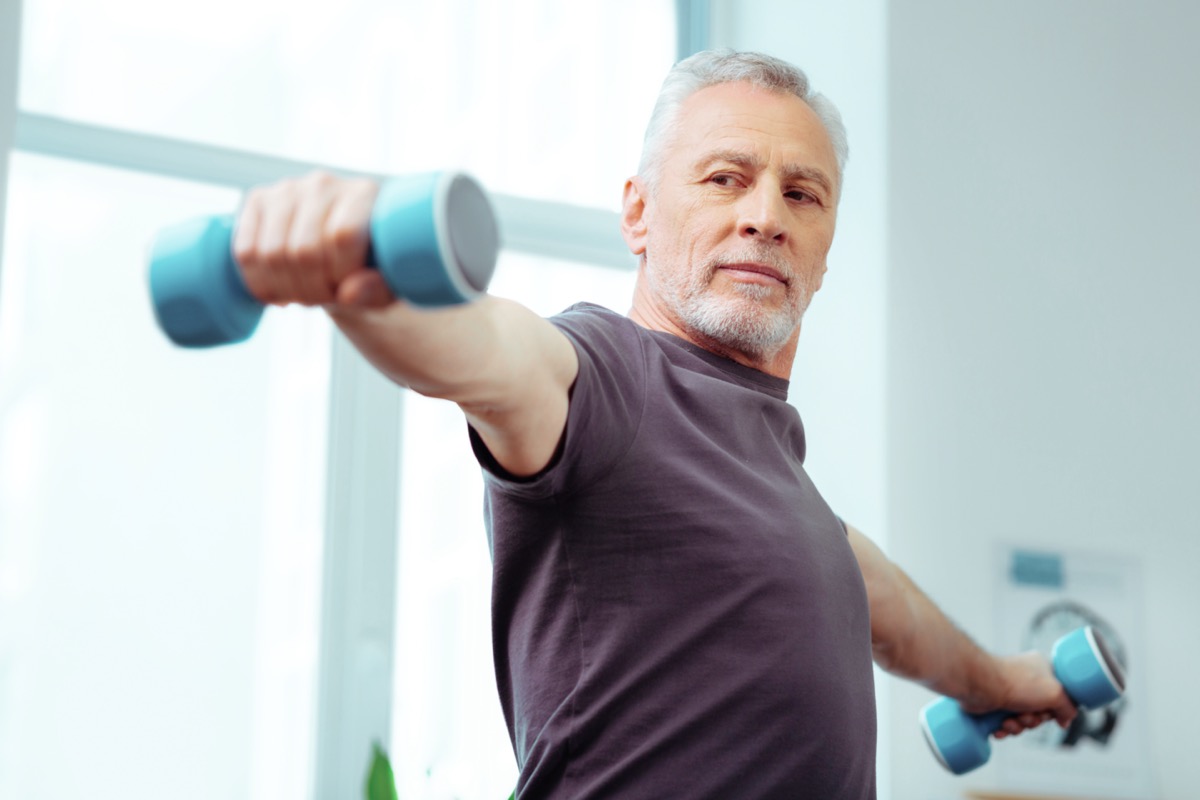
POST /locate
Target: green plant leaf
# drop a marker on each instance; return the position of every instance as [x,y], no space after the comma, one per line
[381,783]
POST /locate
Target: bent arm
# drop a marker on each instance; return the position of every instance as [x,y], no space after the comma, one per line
[912,638]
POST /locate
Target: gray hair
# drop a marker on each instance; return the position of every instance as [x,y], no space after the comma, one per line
[712,67]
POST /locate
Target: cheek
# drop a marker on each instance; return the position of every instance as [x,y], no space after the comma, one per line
[819,279]
[812,250]
[665,240]
[814,244]
[683,233]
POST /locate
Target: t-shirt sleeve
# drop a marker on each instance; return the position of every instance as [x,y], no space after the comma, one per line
[605,407]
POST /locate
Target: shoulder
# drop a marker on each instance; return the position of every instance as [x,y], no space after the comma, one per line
[585,321]
[604,405]
[605,341]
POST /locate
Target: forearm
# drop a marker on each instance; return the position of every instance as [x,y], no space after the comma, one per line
[467,354]
[912,638]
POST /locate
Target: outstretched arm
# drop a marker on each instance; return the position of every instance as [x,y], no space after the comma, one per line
[305,241]
[912,638]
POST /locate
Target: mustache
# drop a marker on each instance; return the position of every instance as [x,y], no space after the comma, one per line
[750,253]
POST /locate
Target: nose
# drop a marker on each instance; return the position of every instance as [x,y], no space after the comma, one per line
[761,213]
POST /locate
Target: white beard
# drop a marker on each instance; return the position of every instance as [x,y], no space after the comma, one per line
[742,323]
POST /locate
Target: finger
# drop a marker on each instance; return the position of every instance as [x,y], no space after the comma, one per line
[279,205]
[1064,711]
[1030,720]
[245,229]
[306,248]
[347,229]
[245,246]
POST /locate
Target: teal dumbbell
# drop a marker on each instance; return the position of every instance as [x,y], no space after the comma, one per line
[1083,664]
[433,237]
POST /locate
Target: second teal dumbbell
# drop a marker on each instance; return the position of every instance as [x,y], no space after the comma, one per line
[434,238]
[1083,664]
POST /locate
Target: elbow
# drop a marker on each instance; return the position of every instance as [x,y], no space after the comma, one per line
[894,636]
[887,655]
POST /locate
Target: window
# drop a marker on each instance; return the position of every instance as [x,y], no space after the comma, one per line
[160,512]
[163,514]
[535,98]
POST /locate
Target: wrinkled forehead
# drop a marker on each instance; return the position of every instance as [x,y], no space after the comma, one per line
[768,126]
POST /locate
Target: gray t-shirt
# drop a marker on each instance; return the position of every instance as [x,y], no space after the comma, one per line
[676,610]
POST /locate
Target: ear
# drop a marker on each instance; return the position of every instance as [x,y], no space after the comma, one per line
[633,215]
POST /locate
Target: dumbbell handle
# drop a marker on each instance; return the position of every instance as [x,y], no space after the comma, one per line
[433,237]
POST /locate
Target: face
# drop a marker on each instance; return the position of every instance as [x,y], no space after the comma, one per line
[736,231]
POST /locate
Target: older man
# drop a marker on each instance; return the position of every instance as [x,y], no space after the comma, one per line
[676,610]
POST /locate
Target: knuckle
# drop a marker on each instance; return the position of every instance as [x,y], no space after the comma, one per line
[362,186]
[280,192]
[256,196]
[319,180]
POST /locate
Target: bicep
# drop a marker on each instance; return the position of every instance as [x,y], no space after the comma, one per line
[887,593]
[875,567]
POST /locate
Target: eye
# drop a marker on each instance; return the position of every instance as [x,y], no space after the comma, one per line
[724,179]
[801,196]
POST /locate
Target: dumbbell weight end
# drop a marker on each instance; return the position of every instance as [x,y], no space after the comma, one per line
[434,238]
[1087,668]
[196,290]
[959,740]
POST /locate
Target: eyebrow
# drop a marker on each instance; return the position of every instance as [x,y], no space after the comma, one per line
[753,162]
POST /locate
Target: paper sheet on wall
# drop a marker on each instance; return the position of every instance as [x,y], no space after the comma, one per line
[1042,595]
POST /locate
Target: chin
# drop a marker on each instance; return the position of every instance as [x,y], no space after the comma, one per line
[746,327]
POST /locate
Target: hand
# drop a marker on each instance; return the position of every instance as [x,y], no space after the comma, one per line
[1025,684]
[305,241]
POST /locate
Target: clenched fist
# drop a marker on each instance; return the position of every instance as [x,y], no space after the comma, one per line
[306,240]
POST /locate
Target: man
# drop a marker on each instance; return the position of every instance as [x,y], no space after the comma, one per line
[676,611]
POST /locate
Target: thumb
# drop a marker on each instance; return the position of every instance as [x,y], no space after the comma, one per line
[364,288]
[1064,710]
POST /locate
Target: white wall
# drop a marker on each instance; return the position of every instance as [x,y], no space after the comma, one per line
[1008,321]
[1043,367]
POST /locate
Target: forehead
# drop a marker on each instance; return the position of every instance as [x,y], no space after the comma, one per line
[776,127]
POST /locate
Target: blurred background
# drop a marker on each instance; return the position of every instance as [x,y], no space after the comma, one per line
[224,573]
